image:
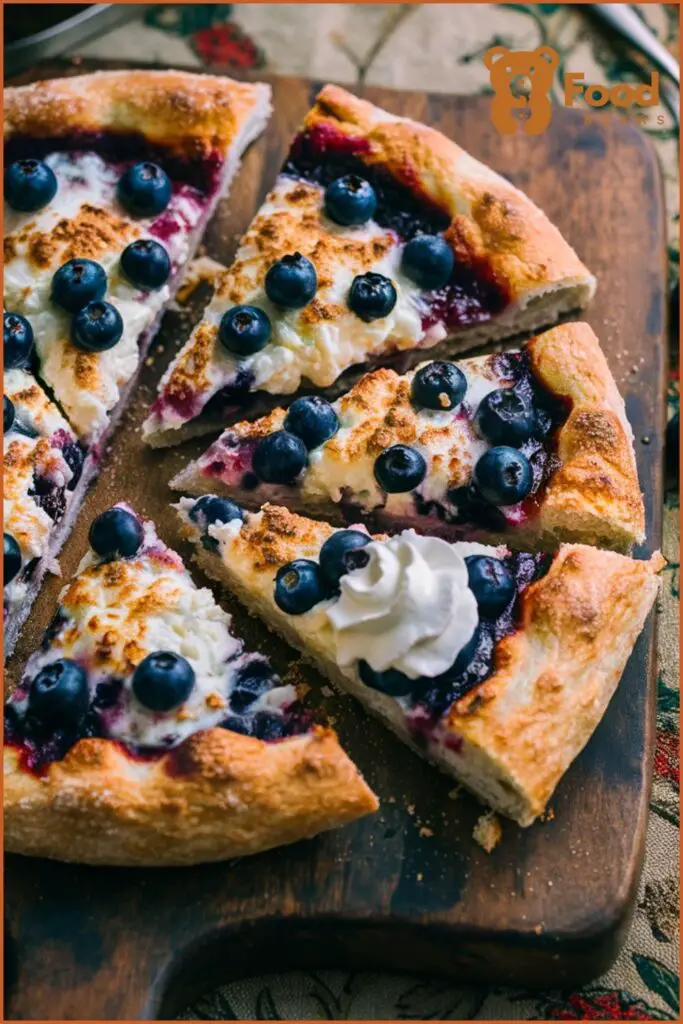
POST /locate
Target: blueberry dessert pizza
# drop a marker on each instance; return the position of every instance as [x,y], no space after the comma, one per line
[143,733]
[495,666]
[380,238]
[109,181]
[42,465]
[531,447]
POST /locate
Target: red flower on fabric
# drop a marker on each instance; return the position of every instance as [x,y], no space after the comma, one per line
[667,756]
[226,46]
[604,1005]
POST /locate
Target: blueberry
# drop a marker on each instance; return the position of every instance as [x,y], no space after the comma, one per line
[244,330]
[144,189]
[268,726]
[312,419]
[492,584]
[116,533]
[428,260]
[12,559]
[372,296]
[97,327]
[17,340]
[74,456]
[279,457]
[392,682]
[399,469]
[7,413]
[341,554]
[77,283]
[506,417]
[236,724]
[251,682]
[107,694]
[438,386]
[29,185]
[503,476]
[25,429]
[59,694]
[211,509]
[146,264]
[299,585]
[350,200]
[163,681]
[291,282]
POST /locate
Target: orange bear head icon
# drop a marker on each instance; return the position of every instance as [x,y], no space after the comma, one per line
[538,66]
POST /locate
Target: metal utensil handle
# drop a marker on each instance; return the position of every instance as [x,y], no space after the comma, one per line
[625,20]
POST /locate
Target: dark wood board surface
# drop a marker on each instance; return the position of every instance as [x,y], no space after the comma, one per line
[406,889]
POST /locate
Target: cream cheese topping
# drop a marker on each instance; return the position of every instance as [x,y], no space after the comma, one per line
[31,405]
[332,475]
[301,346]
[24,457]
[146,604]
[409,608]
[85,183]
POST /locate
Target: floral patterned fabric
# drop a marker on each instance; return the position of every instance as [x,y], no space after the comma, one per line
[439,48]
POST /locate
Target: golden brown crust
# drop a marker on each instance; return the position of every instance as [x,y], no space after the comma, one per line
[511,738]
[492,221]
[218,795]
[597,479]
[555,676]
[196,114]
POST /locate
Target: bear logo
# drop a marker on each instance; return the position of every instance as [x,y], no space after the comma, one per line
[538,66]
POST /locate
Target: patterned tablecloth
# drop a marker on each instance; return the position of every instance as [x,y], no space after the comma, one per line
[438,47]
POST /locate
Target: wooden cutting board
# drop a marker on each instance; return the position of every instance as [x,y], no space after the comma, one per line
[406,889]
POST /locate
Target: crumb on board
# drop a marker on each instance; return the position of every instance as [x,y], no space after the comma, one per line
[548,814]
[419,876]
[455,793]
[487,831]
[426,833]
[326,691]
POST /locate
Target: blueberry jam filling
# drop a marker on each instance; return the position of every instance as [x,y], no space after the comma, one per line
[48,496]
[123,149]
[323,154]
[45,717]
[226,402]
[429,698]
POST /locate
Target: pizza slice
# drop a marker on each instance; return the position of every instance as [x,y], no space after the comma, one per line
[530,447]
[143,733]
[43,465]
[380,239]
[495,666]
[110,180]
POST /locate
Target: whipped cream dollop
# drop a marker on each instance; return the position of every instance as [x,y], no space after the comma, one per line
[409,608]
